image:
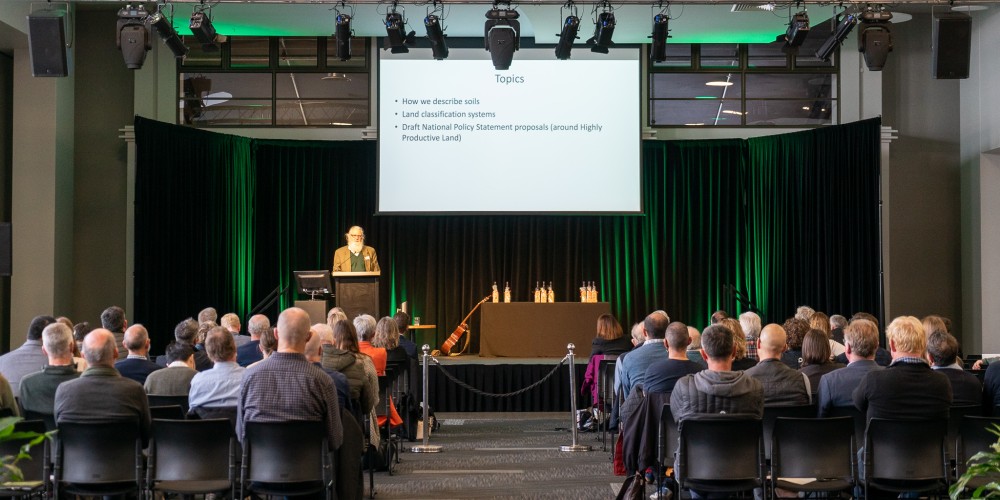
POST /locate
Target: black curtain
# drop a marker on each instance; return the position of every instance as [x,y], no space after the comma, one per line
[786,220]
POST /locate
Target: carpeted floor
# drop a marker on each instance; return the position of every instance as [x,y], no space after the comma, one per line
[502,455]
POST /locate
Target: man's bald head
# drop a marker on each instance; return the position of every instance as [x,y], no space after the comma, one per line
[136,339]
[655,324]
[772,341]
[99,348]
[293,330]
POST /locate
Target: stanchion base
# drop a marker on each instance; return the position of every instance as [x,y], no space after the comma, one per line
[575,447]
[426,448]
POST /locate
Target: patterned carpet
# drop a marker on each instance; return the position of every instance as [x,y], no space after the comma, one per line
[502,455]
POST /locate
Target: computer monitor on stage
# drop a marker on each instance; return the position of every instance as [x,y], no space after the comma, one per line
[314,283]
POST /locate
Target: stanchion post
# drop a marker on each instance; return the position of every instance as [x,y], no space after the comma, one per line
[572,402]
[425,447]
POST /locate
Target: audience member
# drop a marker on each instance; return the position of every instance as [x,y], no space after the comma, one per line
[345,357]
[934,323]
[837,325]
[694,348]
[403,325]
[387,337]
[365,326]
[795,330]
[740,359]
[718,316]
[313,354]
[821,322]
[334,315]
[836,388]
[207,314]
[28,358]
[662,374]
[609,338]
[816,358]
[991,388]
[287,387]
[630,369]
[268,344]
[942,349]
[783,386]
[38,390]
[717,389]
[101,394]
[231,322]
[113,320]
[80,330]
[186,332]
[750,322]
[218,387]
[175,379]
[882,356]
[378,351]
[250,352]
[804,313]
[136,365]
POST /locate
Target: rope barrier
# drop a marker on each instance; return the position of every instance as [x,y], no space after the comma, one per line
[469,388]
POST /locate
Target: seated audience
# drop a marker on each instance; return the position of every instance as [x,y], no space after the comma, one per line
[175,379]
[387,337]
[821,322]
[136,365]
[268,344]
[609,338]
[750,322]
[403,325]
[28,358]
[717,389]
[113,320]
[804,313]
[882,356]
[231,322]
[208,314]
[334,315]
[38,390]
[384,330]
[694,348]
[664,373]
[836,388]
[218,387]
[365,324]
[186,332]
[837,325]
[783,386]
[816,358]
[345,357]
[942,349]
[741,361]
[630,369]
[795,329]
[314,355]
[250,352]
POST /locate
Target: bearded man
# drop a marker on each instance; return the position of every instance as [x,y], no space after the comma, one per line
[355,256]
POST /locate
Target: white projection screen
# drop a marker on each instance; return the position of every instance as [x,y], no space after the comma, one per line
[545,136]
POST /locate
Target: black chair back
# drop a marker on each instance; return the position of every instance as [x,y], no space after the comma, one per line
[171,412]
[905,455]
[974,436]
[821,448]
[181,401]
[605,394]
[860,421]
[48,418]
[773,412]
[98,458]
[720,453]
[203,413]
[285,453]
[955,417]
[189,451]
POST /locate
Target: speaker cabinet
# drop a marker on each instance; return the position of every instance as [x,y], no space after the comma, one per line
[47,44]
[952,35]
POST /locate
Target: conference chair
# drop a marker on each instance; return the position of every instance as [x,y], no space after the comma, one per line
[389,446]
[666,445]
[605,394]
[720,454]
[771,413]
[98,459]
[48,418]
[860,421]
[207,413]
[821,450]
[286,459]
[34,470]
[974,436]
[905,455]
[181,401]
[956,414]
[191,457]
[170,412]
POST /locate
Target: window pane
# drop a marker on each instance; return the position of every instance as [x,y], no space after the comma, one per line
[766,55]
[790,85]
[695,85]
[322,85]
[249,52]
[298,52]
[228,85]
[359,54]
[806,57]
[319,112]
[695,112]
[678,56]
[788,113]
[720,55]
[216,112]
[198,57]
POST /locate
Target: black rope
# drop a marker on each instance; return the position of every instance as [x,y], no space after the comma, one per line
[469,388]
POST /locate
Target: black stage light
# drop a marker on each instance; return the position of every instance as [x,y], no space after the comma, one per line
[133,35]
[168,34]
[435,33]
[201,27]
[875,37]
[343,36]
[658,49]
[798,29]
[566,37]
[396,36]
[604,29]
[502,35]
[840,32]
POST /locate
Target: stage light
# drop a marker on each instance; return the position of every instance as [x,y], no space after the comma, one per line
[201,27]
[435,34]
[132,37]
[840,32]
[343,35]
[658,49]
[566,37]
[397,38]
[502,33]
[875,37]
[798,29]
[604,29]
[168,34]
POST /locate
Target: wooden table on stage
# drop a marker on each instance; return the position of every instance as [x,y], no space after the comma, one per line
[530,330]
[424,330]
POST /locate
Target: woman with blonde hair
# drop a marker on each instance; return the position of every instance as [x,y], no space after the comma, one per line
[740,359]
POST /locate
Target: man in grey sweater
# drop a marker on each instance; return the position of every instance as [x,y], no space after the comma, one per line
[717,389]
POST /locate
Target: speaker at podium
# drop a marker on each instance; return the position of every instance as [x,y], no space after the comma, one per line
[316,285]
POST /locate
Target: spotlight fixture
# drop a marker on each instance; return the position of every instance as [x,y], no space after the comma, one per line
[502,34]
[435,34]
[132,37]
[397,38]
[798,29]
[343,35]
[566,37]
[875,37]
[658,49]
[201,27]
[840,32]
[604,28]
[159,22]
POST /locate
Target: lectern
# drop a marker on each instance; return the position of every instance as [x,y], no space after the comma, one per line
[357,293]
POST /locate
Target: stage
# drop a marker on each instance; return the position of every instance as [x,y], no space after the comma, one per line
[503,375]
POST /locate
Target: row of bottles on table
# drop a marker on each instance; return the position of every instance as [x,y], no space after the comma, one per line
[543,294]
[588,292]
[506,293]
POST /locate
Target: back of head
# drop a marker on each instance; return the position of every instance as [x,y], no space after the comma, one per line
[608,328]
[38,323]
[293,328]
[804,313]
[313,345]
[386,334]
[934,323]
[177,351]
[58,341]
[739,338]
[837,321]
[113,319]
[637,335]
[718,316]
[324,333]
[402,322]
[695,338]
[815,348]
[717,342]
[258,325]
[364,325]
[207,314]
[862,336]
[773,340]
[80,330]
[796,330]
[220,345]
[907,333]
[821,322]
[268,342]
[750,322]
[345,337]
[677,336]
[136,338]
[231,321]
[943,348]
[864,315]
[656,324]
[336,314]
[186,331]
[99,348]
[203,330]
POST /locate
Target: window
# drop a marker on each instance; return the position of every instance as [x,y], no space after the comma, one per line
[274,82]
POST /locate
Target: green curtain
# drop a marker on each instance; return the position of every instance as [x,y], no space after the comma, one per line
[787,220]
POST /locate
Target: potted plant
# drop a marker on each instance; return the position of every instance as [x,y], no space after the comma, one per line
[10,472]
[982,464]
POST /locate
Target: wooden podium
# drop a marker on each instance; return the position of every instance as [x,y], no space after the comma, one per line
[357,293]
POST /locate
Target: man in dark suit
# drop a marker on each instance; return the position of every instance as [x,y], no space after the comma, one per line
[136,365]
[942,348]
[249,353]
[837,387]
